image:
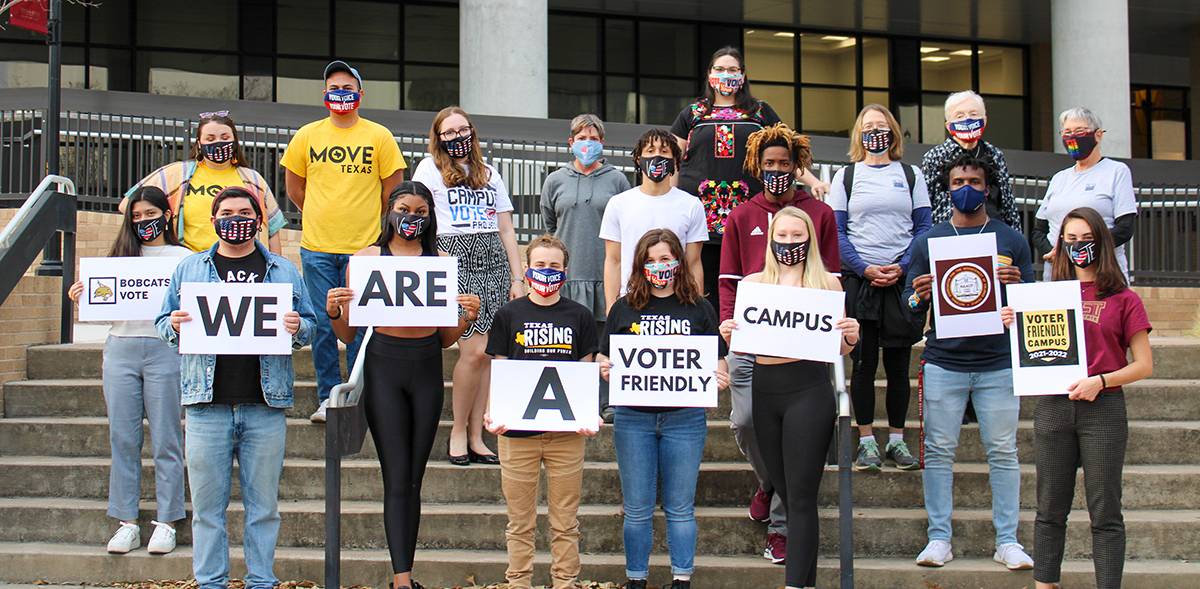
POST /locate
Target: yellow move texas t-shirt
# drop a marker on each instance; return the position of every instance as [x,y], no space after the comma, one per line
[343,169]
[198,232]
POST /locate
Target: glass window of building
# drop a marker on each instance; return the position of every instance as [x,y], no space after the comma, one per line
[382,84]
[110,23]
[572,94]
[620,101]
[1001,70]
[431,35]
[618,46]
[203,75]
[574,43]
[945,67]
[302,27]
[661,100]
[1006,122]
[298,81]
[876,62]
[827,111]
[828,59]
[367,30]
[24,66]
[770,55]
[667,49]
[184,24]
[430,88]
[933,117]
[1160,120]
[781,97]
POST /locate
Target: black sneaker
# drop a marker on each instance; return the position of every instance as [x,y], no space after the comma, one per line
[607,414]
[680,584]
[897,453]
[634,584]
[868,456]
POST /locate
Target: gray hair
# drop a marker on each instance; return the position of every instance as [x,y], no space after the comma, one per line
[1082,113]
[958,97]
[584,121]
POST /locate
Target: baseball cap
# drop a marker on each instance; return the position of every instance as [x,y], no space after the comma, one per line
[338,65]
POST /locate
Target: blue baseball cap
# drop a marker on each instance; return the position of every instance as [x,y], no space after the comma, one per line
[338,65]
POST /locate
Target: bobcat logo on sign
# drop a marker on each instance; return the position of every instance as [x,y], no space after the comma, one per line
[1047,338]
[966,286]
[102,291]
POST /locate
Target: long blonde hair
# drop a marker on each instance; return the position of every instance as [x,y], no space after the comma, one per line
[815,275]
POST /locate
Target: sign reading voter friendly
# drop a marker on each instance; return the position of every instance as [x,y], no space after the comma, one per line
[1046,339]
[788,321]
[234,318]
[966,289]
[663,371]
[124,289]
[405,291]
[536,395]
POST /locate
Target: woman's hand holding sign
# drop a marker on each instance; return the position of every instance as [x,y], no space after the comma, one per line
[470,304]
[726,329]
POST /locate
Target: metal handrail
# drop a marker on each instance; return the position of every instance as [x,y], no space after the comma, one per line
[65,186]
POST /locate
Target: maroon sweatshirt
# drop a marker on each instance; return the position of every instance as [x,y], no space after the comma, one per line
[745,241]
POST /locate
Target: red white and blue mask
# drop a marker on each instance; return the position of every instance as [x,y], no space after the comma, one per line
[409,226]
[968,129]
[149,229]
[236,229]
[342,101]
[545,281]
[660,274]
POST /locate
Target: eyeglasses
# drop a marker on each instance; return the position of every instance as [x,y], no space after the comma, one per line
[726,70]
[1075,132]
[455,133]
[214,114]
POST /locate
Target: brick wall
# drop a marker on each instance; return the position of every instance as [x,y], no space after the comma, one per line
[30,316]
[1174,311]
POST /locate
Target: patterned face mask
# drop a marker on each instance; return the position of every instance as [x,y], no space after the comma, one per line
[342,101]
[408,226]
[789,254]
[877,140]
[775,182]
[1081,145]
[726,84]
[1082,253]
[149,229]
[657,168]
[660,274]
[968,129]
[545,281]
[219,152]
[236,229]
[459,146]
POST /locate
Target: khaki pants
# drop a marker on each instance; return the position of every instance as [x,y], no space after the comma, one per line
[521,460]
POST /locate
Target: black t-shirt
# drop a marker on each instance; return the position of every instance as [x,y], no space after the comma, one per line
[524,330]
[238,378]
[713,165]
[662,316]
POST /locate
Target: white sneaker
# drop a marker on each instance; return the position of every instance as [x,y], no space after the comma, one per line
[318,416]
[126,538]
[1013,556]
[162,540]
[937,553]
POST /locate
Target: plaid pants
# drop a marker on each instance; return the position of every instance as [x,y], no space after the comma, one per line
[1069,434]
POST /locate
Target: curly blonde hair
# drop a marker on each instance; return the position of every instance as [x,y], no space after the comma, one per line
[778,135]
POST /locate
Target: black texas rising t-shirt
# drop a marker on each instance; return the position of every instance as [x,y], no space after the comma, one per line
[524,330]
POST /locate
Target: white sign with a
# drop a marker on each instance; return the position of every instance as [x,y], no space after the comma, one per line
[966,288]
[535,395]
[663,371]
[788,321]
[124,289]
[235,318]
[404,291]
[1048,349]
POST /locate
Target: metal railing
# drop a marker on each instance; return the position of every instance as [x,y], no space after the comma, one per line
[106,154]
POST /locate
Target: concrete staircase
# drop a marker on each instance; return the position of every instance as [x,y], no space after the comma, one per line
[54,460]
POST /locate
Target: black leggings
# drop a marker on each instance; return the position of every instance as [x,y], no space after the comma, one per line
[793,410]
[403,402]
[862,383]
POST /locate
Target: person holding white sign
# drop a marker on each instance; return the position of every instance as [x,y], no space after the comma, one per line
[1089,426]
[660,443]
[235,404]
[403,387]
[977,369]
[793,400]
[141,378]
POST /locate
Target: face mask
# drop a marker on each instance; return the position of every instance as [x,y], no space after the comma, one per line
[726,84]
[545,281]
[967,198]
[236,229]
[968,129]
[789,254]
[657,168]
[776,183]
[459,146]
[587,151]
[149,229]
[408,226]
[877,141]
[660,274]
[1080,146]
[1082,253]
[342,101]
[219,152]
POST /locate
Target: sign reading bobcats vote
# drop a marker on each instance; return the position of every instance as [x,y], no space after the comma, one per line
[966,289]
[536,395]
[1048,352]
[788,321]
[124,289]
[663,371]
[235,318]
[404,291]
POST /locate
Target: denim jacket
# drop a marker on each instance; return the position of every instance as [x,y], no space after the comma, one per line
[197,370]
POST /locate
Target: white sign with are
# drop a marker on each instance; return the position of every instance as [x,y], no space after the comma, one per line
[403,291]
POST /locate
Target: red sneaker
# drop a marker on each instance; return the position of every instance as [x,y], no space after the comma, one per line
[760,506]
[776,550]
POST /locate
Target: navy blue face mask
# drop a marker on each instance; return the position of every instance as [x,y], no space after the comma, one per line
[967,198]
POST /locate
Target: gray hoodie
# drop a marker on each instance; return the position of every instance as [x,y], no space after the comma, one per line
[572,207]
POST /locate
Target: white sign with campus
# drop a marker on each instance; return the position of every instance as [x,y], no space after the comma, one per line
[403,291]
[1046,337]
[536,395]
[235,318]
[663,370]
[788,321]
[124,289]
[966,288]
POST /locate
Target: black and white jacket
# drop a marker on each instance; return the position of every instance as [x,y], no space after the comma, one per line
[933,166]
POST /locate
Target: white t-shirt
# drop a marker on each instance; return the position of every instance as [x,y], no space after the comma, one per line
[462,210]
[632,213]
[879,220]
[146,328]
[1106,187]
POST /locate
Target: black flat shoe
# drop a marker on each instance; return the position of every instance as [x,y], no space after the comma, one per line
[482,458]
[461,460]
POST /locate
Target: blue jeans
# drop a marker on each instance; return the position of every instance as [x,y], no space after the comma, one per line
[651,446]
[946,394]
[215,435]
[322,272]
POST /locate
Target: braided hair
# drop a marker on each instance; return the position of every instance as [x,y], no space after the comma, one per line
[778,135]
